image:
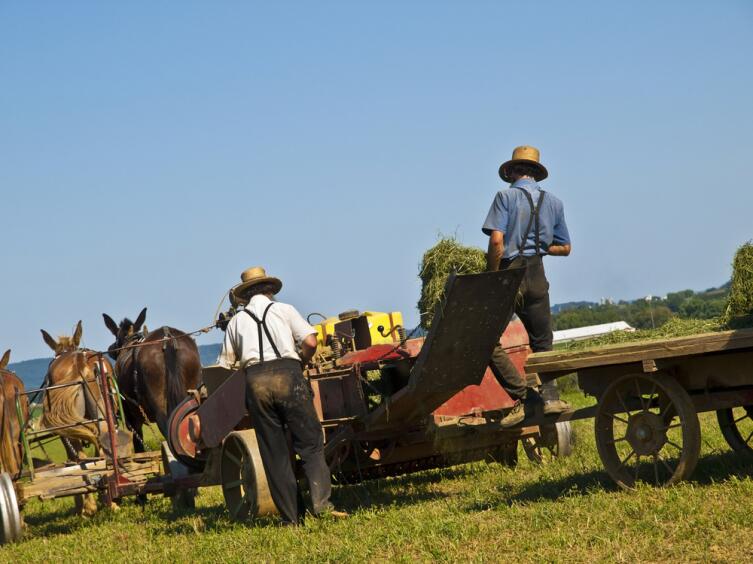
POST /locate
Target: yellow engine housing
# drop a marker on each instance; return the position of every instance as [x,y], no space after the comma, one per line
[366,329]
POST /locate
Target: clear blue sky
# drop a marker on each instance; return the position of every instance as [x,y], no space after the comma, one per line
[150,151]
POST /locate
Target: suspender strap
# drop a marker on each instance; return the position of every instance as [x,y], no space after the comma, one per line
[261,324]
[533,221]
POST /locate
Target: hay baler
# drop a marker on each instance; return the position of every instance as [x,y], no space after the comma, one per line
[388,404]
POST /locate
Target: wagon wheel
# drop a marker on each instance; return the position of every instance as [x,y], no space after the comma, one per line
[647,429]
[178,437]
[10,517]
[552,441]
[244,482]
[736,425]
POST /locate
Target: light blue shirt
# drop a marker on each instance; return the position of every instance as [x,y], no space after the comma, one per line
[510,213]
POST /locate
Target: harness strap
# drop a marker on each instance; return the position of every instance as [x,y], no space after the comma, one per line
[533,221]
[262,324]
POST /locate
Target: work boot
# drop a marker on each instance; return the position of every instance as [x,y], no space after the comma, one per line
[556,406]
[514,416]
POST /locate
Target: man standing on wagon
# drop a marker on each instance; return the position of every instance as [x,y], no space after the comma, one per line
[263,339]
[524,224]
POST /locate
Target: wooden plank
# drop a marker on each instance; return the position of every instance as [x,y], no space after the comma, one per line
[557,361]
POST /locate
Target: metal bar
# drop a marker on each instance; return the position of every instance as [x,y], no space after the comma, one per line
[24,437]
[56,386]
[113,482]
[121,413]
[722,399]
[59,427]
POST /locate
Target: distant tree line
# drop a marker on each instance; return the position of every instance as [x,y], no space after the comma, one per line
[645,314]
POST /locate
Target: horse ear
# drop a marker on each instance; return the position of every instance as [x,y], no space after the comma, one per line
[4,361]
[52,343]
[110,324]
[77,334]
[139,321]
[145,331]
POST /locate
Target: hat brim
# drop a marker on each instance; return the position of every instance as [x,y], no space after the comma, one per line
[238,293]
[541,171]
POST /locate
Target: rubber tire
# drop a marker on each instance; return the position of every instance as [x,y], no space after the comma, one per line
[10,516]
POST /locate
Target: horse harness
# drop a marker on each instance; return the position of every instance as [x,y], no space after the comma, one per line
[135,342]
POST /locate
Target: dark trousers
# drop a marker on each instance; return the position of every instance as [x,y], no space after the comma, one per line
[279,398]
[532,307]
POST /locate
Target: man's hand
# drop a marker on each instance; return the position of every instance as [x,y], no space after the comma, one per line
[496,250]
[308,348]
[559,250]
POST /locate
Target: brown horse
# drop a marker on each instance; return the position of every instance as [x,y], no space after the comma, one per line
[155,369]
[11,454]
[71,406]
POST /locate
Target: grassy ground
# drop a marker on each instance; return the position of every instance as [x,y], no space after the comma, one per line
[567,510]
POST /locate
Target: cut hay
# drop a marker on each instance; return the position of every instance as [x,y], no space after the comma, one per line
[438,262]
[674,327]
[739,310]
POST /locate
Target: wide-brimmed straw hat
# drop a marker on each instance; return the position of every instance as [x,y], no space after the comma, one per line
[524,154]
[251,277]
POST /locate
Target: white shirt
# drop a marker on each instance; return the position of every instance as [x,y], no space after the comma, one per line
[286,326]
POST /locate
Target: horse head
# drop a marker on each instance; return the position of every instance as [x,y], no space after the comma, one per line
[123,332]
[64,344]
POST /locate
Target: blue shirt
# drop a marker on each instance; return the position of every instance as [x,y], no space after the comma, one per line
[510,213]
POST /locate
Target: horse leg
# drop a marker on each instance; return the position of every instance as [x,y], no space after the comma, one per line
[85,504]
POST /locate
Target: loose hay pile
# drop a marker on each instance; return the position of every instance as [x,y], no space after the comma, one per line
[438,262]
[739,310]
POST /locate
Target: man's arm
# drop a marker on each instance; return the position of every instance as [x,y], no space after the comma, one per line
[496,250]
[228,356]
[308,348]
[559,250]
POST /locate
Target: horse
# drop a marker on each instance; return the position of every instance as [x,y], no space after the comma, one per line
[155,370]
[11,453]
[71,406]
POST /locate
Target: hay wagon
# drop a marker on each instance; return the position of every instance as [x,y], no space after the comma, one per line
[649,395]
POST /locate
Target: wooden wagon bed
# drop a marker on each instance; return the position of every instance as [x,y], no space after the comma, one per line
[556,363]
[649,394]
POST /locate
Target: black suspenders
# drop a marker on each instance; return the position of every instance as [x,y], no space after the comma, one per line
[262,324]
[532,221]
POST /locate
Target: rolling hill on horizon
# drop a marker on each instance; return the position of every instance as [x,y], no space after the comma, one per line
[32,371]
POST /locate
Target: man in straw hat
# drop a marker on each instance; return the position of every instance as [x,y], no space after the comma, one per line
[263,339]
[524,224]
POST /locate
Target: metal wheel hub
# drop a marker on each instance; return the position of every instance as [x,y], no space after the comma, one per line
[646,433]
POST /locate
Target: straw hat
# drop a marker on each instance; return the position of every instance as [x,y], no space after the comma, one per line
[251,277]
[524,155]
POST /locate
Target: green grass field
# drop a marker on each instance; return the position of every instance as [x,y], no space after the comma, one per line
[567,510]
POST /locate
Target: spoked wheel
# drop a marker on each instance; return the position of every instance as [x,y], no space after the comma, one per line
[552,441]
[647,429]
[736,425]
[10,517]
[178,437]
[244,483]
